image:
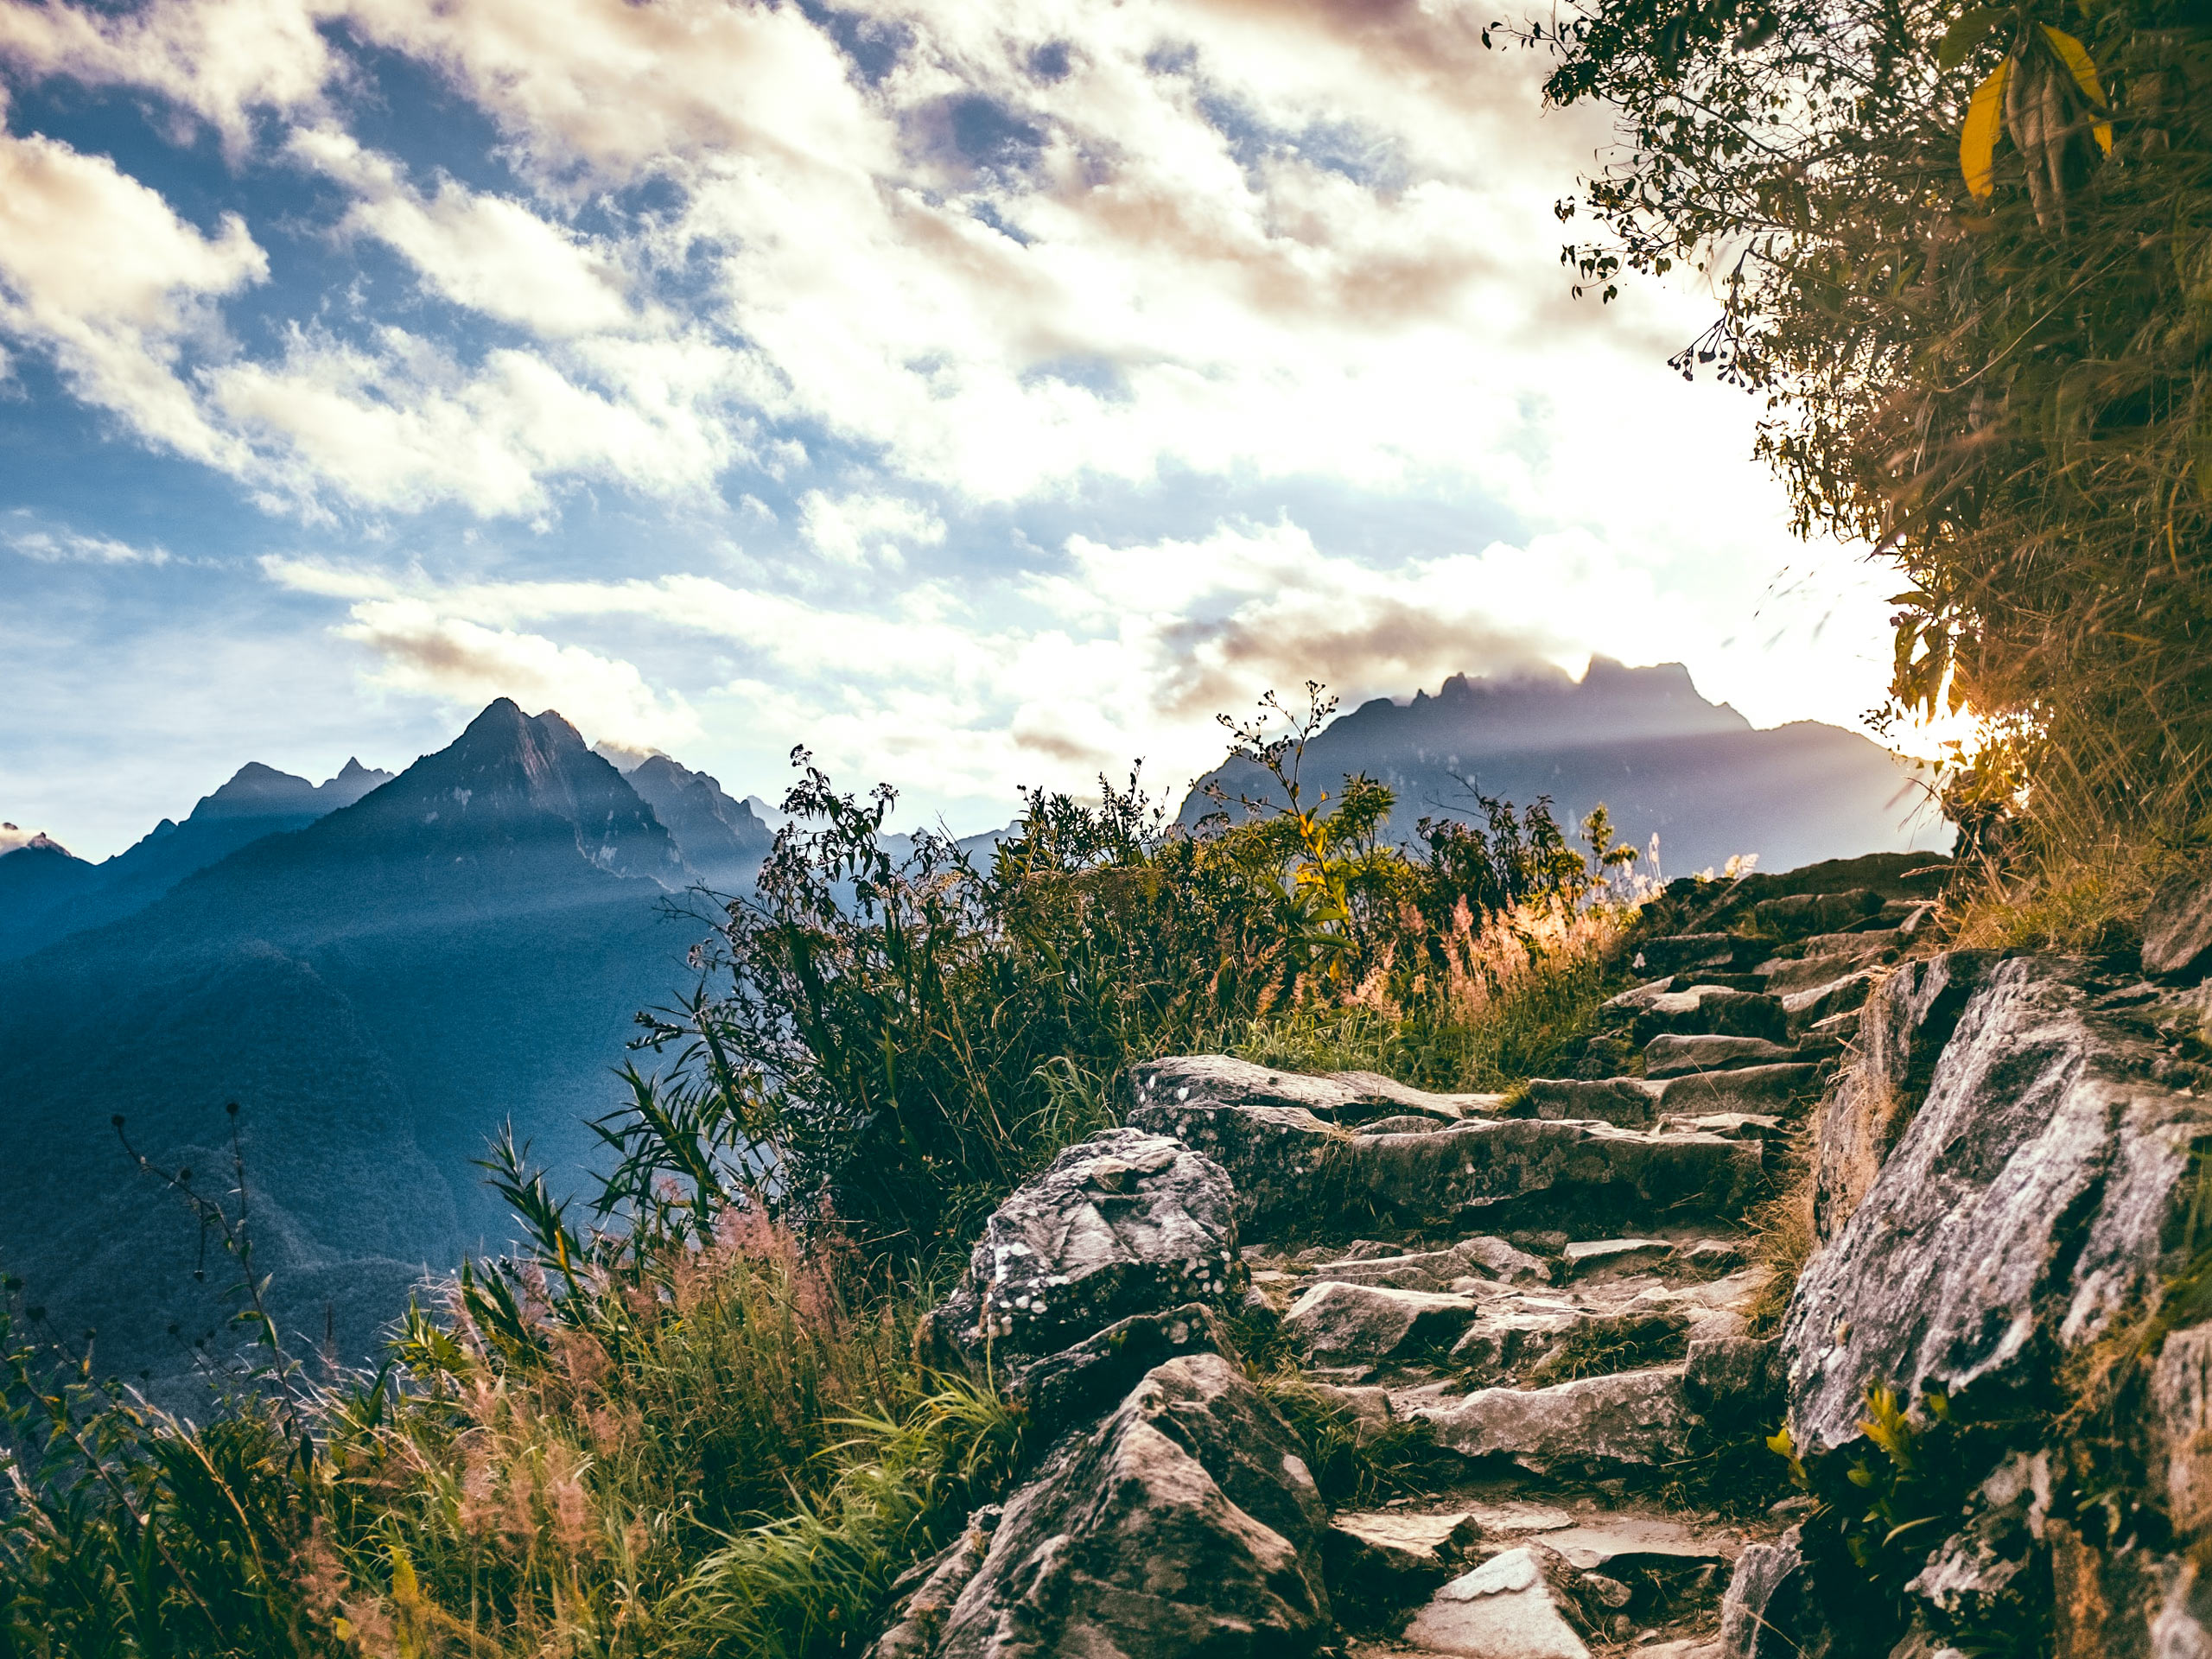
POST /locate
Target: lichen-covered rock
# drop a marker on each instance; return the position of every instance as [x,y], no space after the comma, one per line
[1292,1172]
[1184,1524]
[1630,1420]
[1124,1223]
[1341,1323]
[1901,1031]
[1671,1056]
[1503,1610]
[2177,928]
[2025,1206]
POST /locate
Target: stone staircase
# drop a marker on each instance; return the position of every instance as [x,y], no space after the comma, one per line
[1538,1315]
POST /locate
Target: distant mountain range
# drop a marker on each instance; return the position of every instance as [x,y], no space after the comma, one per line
[380,969]
[397,966]
[1661,759]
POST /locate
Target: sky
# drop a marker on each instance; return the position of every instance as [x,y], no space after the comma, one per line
[979,392]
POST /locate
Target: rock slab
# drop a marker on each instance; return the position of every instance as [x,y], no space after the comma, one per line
[1184,1523]
[1503,1610]
[1125,1222]
[2022,1208]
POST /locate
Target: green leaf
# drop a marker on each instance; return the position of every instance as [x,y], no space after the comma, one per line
[1971,30]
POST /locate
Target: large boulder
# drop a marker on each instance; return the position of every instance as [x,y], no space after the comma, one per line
[1902,1030]
[1125,1222]
[2028,1203]
[1294,1173]
[1185,1524]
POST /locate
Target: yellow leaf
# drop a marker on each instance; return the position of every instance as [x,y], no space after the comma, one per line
[2076,56]
[1977,138]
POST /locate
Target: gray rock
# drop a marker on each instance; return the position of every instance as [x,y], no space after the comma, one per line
[1486,1258]
[1795,974]
[1712,1010]
[2022,1208]
[2181,1396]
[1901,1031]
[1809,1006]
[1590,1256]
[1342,1323]
[1503,1610]
[1680,952]
[1765,1090]
[1124,1223]
[2177,927]
[923,1596]
[1081,1382]
[1734,1383]
[1759,1615]
[1387,1558]
[1629,1419]
[1734,1126]
[1630,1101]
[1291,1171]
[1619,1545]
[1502,1342]
[1342,1097]
[1669,1056]
[1797,914]
[1184,1523]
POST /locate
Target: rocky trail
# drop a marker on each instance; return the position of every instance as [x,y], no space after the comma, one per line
[1329,1364]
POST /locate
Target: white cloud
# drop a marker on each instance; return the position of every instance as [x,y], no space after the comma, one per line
[464,664]
[68,547]
[489,253]
[97,270]
[862,528]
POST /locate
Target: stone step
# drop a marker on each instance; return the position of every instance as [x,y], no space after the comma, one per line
[1671,1055]
[1701,1009]
[1291,1172]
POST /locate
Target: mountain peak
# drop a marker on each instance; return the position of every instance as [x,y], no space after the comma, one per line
[511,782]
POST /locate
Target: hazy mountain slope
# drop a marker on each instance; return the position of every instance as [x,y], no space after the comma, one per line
[722,840]
[34,879]
[258,801]
[379,991]
[1642,740]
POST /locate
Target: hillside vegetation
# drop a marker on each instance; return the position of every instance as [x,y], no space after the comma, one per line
[1965,253]
[687,1418]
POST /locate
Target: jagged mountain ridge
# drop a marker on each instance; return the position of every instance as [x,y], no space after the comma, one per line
[40,902]
[462,946]
[1661,759]
[722,839]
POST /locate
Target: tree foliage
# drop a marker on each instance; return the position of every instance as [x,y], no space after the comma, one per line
[1966,256]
